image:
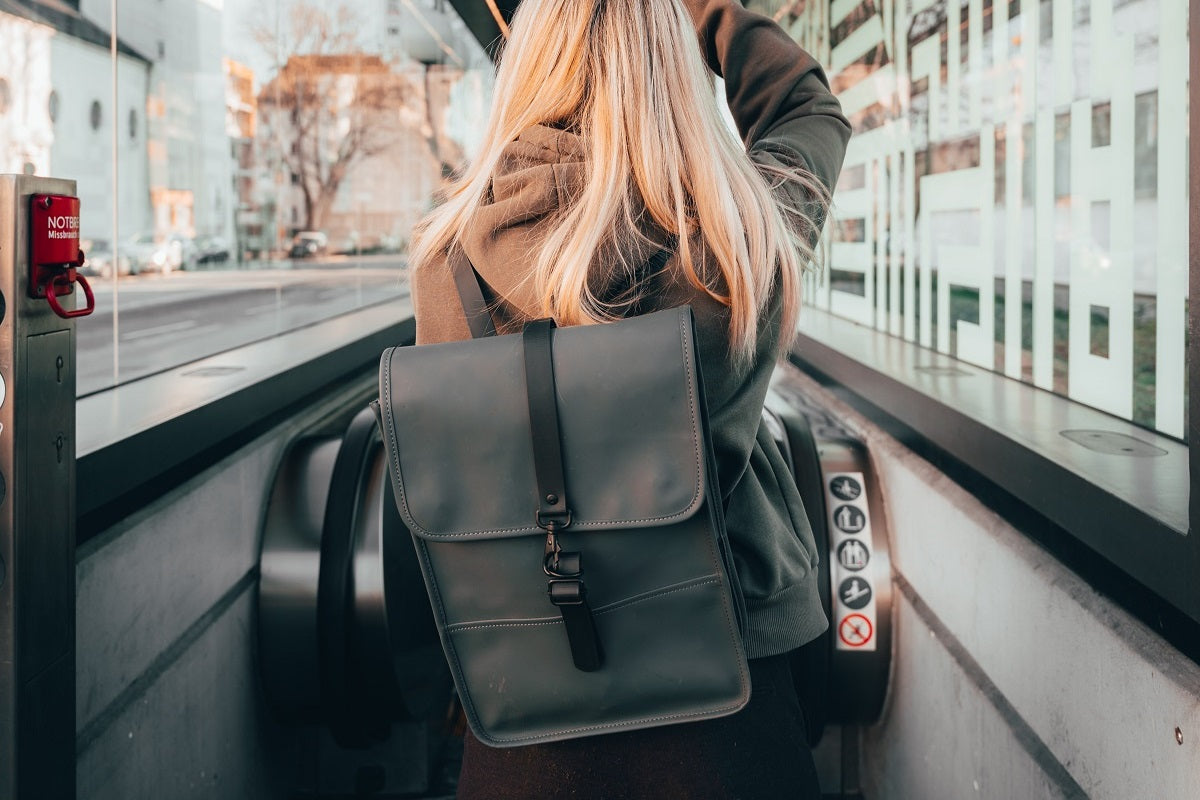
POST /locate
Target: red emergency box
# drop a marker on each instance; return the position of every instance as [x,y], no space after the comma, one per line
[54,253]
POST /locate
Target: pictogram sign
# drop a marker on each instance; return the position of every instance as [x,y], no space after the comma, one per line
[853,555]
[845,488]
[854,563]
[855,630]
[849,519]
[855,593]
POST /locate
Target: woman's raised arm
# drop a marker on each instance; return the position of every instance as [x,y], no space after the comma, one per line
[777,92]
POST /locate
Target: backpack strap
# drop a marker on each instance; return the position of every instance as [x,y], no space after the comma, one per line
[470,286]
[470,294]
[566,588]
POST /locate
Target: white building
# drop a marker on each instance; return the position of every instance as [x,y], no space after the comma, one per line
[190,170]
[26,134]
[57,113]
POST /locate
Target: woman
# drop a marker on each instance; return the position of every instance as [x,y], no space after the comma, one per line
[606,145]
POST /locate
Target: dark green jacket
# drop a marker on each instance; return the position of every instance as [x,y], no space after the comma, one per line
[785,112]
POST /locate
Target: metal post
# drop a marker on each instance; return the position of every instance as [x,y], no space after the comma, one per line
[1194,272]
[37,516]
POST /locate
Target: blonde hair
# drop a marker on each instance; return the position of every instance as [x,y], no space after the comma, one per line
[627,75]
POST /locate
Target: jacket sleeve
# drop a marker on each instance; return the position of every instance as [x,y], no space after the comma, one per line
[787,116]
[777,92]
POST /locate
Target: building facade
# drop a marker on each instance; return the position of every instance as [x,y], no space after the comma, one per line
[58,115]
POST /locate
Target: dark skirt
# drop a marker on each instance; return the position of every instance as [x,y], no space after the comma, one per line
[759,753]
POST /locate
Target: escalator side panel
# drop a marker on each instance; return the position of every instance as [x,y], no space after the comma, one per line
[842,676]
[289,570]
[810,663]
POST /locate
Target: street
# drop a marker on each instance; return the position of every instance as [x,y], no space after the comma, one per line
[163,321]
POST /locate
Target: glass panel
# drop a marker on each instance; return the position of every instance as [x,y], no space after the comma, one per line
[245,167]
[1016,190]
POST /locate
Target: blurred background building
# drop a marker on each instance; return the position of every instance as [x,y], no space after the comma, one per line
[203,113]
[57,115]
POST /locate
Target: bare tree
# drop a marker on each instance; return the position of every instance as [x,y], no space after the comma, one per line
[330,105]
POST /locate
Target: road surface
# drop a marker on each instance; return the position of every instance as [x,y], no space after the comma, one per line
[163,321]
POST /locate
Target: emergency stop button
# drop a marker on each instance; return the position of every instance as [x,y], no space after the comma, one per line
[54,226]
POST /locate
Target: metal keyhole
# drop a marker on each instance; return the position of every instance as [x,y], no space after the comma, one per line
[58,362]
[59,443]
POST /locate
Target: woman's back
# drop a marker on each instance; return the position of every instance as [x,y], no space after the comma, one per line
[575,192]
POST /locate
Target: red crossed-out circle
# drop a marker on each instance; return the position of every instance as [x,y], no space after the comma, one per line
[855,630]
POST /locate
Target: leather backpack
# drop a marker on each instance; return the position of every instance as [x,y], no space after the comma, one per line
[561,492]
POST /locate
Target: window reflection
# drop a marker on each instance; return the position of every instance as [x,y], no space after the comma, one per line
[1015,193]
[244,167]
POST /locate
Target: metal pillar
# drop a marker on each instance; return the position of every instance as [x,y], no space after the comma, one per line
[37,515]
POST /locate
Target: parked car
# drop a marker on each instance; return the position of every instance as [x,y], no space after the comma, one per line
[211,250]
[181,251]
[150,253]
[307,244]
[98,259]
[147,253]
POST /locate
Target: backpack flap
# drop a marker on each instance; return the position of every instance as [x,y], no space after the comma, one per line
[456,420]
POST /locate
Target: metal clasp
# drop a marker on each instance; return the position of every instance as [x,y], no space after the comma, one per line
[550,554]
[560,519]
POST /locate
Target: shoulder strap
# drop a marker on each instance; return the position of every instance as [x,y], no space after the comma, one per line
[470,294]
[470,291]
[659,260]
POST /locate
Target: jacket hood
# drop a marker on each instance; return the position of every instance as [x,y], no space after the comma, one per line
[537,175]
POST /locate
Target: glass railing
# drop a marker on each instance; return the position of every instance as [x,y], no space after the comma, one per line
[1015,194]
[245,167]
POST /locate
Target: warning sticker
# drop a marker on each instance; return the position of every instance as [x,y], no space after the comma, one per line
[853,562]
[853,555]
[855,593]
[855,630]
[849,519]
[845,488]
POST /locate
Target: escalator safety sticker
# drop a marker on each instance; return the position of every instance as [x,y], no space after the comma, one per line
[855,631]
[845,488]
[852,570]
[855,593]
[849,519]
[853,555]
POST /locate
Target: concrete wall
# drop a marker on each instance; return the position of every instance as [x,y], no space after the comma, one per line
[168,701]
[1013,678]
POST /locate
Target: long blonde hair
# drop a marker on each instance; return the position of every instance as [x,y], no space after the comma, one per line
[627,75]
